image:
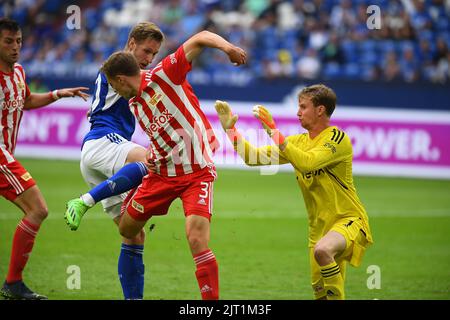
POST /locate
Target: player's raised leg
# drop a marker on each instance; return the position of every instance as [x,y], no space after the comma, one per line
[33,205]
[332,244]
[127,178]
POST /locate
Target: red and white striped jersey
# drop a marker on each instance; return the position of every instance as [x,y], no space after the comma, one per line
[182,139]
[14,91]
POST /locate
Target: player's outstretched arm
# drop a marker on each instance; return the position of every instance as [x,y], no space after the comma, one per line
[38,100]
[266,119]
[251,155]
[205,39]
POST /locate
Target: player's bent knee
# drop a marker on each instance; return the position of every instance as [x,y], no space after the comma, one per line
[139,239]
[126,233]
[129,227]
[322,254]
[38,211]
[42,213]
[37,215]
[129,231]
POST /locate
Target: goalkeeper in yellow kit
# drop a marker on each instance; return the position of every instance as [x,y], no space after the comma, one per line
[322,158]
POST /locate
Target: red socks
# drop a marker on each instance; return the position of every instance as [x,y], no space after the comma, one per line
[207,275]
[23,242]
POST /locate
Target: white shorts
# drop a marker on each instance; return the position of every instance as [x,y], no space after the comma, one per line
[100,160]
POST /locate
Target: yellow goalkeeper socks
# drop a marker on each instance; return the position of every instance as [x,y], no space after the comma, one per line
[333,281]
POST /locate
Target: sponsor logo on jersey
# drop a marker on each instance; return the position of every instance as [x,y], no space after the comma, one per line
[330,146]
[314,173]
[159,121]
[26,176]
[137,206]
[13,104]
[202,201]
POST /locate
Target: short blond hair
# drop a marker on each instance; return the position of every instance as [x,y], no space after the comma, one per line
[320,94]
[146,30]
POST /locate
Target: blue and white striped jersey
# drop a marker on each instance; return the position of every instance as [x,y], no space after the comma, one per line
[109,113]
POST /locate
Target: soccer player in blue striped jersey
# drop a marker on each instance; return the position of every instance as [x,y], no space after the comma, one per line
[111,164]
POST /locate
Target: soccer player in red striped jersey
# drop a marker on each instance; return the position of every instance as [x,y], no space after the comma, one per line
[182,146]
[16,184]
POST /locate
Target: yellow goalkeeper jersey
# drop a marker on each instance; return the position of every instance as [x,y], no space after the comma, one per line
[323,166]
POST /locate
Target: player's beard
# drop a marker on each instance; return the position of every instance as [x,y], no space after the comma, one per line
[9,59]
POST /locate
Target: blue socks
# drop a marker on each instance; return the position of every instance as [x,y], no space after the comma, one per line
[131,271]
[131,266]
[127,178]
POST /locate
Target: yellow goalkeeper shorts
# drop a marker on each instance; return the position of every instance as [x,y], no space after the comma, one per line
[355,238]
[356,244]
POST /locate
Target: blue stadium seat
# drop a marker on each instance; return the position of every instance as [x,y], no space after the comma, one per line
[332,70]
[386,45]
[350,50]
[368,57]
[352,71]
[443,24]
[367,72]
[368,45]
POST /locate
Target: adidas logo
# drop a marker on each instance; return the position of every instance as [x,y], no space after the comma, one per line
[202,201]
[205,288]
[331,293]
[111,185]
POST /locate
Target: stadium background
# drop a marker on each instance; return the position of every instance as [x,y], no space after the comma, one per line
[392,83]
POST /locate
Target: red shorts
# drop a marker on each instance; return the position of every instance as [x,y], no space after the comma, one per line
[156,193]
[14,180]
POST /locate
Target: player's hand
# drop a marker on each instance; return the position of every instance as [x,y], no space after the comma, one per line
[73,92]
[268,124]
[237,56]
[151,166]
[149,163]
[226,117]
[264,117]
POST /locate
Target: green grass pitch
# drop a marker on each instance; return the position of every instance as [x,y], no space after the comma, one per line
[259,236]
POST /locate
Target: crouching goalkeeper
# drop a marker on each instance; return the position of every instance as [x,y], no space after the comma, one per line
[322,158]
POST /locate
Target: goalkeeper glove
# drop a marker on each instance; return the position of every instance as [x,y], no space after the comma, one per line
[268,123]
[227,120]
